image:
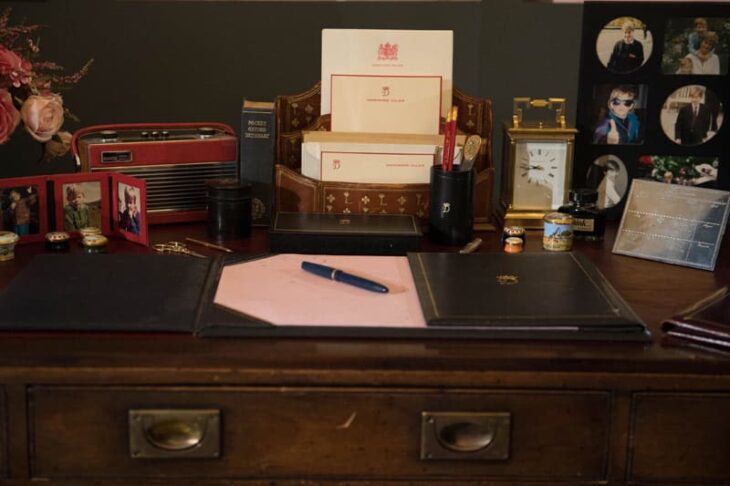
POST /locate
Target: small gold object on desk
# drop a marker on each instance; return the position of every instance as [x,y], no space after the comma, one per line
[208,245]
[8,239]
[537,164]
[57,241]
[94,243]
[89,230]
[513,244]
[558,232]
[177,248]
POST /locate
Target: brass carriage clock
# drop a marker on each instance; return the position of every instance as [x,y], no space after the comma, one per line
[537,162]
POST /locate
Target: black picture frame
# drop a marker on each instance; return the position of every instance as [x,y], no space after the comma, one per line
[664,23]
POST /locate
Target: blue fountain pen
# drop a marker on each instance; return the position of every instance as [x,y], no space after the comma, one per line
[344,277]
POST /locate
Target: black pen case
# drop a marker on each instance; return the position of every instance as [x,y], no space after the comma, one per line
[344,234]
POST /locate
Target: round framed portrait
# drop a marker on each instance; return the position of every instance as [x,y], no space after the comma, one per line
[608,175]
[624,45]
[691,115]
[619,114]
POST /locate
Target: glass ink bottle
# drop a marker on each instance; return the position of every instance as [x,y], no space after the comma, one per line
[589,222]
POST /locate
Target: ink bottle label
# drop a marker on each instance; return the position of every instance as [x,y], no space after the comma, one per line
[589,222]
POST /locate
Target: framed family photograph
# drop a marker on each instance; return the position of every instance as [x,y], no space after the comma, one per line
[652,93]
[685,170]
[24,206]
[82,201]
[624,44]
[129,208]
[692,115]
[696,46]
[620,114]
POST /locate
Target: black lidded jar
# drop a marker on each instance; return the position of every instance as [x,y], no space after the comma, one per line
[589,222]
[229,209]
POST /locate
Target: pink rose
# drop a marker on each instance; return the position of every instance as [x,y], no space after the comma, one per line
[9,116]
[14,70]
[42,115]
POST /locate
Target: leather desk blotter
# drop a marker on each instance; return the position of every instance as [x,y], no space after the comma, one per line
[562,294]
[116,292]
[705,324]
[344,234]
[474,296]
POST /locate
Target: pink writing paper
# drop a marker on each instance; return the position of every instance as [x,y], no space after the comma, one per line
[277,290]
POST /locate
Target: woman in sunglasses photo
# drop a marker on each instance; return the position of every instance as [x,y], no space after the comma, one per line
[618,123]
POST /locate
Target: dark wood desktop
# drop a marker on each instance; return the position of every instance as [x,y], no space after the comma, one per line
[82,409]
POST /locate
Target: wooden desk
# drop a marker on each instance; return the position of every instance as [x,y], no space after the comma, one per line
[349,411]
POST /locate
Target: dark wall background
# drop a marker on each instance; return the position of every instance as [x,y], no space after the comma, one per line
[196,60]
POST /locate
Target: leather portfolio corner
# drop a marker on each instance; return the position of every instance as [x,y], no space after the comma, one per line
[706,324]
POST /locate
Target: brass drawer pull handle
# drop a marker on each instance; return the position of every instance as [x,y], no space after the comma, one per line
[175,435]
[465,436]
[163,434]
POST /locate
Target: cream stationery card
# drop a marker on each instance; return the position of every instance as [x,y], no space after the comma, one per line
[388,53]
[383,158]
[368,163]
[388,104]
[378,167]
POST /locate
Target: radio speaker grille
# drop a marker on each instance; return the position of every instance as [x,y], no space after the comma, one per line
[177,187]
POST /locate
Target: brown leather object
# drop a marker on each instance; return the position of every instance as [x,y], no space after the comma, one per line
[705,324]
[298,112]
[298,193]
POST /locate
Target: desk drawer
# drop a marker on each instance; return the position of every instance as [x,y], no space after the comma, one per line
[680,437]
[319,433]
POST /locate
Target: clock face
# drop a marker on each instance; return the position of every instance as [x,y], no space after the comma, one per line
[539,175]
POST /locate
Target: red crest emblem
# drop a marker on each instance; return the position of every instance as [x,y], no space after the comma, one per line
[336,164]
[388,52]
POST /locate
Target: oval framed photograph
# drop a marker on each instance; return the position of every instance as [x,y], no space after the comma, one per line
[608,175]
[624,45]
[691,115]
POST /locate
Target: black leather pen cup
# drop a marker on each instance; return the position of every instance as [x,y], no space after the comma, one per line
[451,206]
[229,209]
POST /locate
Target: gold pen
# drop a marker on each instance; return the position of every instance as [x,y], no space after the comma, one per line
[209,245]
[471,246]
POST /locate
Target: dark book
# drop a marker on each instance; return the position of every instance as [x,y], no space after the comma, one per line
[257,156]
[705,324]
[533,293]
[344,234]
[116,292]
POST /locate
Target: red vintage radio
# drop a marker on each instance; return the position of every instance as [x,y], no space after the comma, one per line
[174,159]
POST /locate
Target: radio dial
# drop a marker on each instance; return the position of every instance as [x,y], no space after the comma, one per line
[108,135]
[206,132]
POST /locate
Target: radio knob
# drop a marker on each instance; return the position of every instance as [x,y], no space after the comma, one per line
[165,134]
[145,135]
[155,134]
[205,132]
[107,135]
